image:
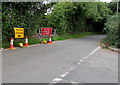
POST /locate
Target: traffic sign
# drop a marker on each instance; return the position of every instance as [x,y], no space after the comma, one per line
[19,32]
[46,31]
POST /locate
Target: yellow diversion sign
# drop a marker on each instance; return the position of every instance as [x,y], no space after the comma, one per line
[19,32]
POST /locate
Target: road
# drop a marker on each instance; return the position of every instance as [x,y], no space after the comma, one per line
[78,60]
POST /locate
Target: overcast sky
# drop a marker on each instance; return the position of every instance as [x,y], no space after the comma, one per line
[78,0]
[106,0]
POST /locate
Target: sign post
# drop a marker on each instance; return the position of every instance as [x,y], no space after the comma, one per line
[46,32]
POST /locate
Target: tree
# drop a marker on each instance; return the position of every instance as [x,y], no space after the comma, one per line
[113,7]
[28,15]
[72,17]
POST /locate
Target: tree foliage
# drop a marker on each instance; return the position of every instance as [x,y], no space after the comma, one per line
[66,17]
[113,7]
[77,16]
[28,15]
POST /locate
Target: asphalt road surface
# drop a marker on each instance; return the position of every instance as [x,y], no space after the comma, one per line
[78,60]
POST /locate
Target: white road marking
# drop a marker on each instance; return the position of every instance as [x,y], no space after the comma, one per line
[63,75]
[81,60]
[66,73]
[74,82]
[91,53]
[85,58]
[56,80]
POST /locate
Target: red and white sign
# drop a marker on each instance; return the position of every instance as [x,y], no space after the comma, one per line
[46,31]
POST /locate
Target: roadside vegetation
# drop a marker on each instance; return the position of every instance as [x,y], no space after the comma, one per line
[69,19]
[112,27]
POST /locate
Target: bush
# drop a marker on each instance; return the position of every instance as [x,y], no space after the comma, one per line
[5,45]
[113,32]
[17,41]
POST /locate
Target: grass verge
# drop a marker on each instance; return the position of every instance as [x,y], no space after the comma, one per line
[54,38]
[70,36]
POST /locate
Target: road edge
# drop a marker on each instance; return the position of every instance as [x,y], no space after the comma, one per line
[102,45]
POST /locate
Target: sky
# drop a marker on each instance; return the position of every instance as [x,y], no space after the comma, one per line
[106,0]
[73,0]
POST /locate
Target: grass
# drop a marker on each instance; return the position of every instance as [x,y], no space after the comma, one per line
[70,36]
[57,38]
[54,38]
[77,35]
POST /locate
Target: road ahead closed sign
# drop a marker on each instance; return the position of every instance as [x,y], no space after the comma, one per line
[19,32]
[46,31]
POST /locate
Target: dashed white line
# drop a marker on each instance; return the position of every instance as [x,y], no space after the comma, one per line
[91,53]
[81,60]
[63,75]
[74,82]
[66,73]
[56,80]
[85,58]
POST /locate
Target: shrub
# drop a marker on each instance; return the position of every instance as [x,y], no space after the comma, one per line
[112,27]
[17,41]
[5,45]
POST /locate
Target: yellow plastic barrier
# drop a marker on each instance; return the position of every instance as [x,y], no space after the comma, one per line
[21,44]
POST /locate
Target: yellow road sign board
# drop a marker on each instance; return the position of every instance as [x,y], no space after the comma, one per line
[19,32]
